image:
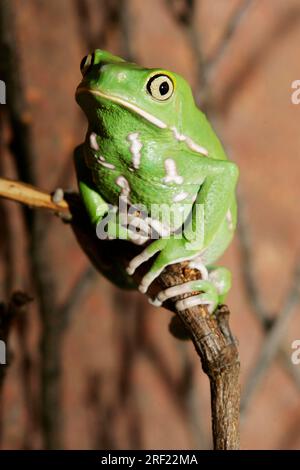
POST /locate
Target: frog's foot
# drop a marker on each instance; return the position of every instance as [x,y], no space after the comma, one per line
[146,254]
[170,251]
[57,196]
[209,295]
[213,290]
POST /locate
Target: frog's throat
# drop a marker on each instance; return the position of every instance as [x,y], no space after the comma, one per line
[115,99]
[149,117]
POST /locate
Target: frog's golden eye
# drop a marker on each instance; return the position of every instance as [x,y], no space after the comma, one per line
[86,63]
[160,87]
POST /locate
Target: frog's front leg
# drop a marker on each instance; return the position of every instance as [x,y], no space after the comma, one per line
[101,214]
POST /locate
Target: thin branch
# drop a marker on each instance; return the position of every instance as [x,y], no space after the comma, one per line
[252,290]
[126,28]
[284,355]
[230,29]
[272,341]
[31,196]
[77,291]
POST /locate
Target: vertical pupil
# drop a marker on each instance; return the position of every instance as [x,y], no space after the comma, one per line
[164,88]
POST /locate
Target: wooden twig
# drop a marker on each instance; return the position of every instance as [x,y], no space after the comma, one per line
[32,197]
[211,335]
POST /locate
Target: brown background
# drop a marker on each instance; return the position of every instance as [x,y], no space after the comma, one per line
[113,376]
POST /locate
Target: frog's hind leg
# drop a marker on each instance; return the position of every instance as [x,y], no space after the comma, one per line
[213,289]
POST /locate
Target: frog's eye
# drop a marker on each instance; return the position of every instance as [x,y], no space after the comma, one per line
[86,63]
[160,87]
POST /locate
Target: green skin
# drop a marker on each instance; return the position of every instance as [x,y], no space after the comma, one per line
[150,144]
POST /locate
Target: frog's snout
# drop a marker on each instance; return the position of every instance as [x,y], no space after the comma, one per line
[98,57]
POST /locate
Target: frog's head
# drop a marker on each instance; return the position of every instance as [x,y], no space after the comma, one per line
[157,97]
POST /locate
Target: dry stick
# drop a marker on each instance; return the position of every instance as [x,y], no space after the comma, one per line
[32,197]
[211,335]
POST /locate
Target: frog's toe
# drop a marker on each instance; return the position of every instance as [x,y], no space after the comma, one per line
[210,300]
[148,279]
[209,295]
[57,196]
[144,256]
[196,263]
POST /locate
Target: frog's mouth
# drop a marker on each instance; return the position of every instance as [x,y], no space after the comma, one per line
[195,147]
[126,104]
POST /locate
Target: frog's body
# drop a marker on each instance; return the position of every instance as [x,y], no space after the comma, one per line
[150,148]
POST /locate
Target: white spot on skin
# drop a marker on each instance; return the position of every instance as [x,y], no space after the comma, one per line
[171,172]
[135,149]
[229,220]
[101,161]
[121,76]
[122,182]
[180,197]
[196,147]
[177,135]
[190,143]
[93,141]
